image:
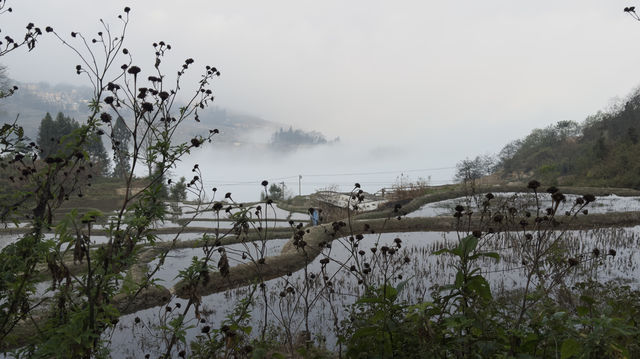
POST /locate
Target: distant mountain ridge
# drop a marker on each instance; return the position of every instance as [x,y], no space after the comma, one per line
[32,101]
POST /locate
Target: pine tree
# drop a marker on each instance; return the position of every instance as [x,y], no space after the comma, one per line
[51,136]
[98,154]
[64,125]
[178,191]
[121,139]
[46,135]
[4,82]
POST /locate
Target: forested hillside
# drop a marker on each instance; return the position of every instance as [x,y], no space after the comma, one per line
[601,151]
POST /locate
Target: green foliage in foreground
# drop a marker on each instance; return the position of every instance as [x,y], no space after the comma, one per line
[463,320]
[602,323]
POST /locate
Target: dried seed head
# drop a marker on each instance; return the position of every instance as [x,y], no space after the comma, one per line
[558,197]
[147,106]
[105,117]
[134,70]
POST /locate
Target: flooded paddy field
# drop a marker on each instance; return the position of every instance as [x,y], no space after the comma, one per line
[526,201]
[318,297]
[331,288]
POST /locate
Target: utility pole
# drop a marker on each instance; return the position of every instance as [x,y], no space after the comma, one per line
[299,185]
[282,196]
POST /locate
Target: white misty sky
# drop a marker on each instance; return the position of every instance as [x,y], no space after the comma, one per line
[463,76]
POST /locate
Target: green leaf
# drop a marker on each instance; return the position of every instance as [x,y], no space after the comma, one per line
[570,347]
[587,299]
[480,286]
[369,300]
[442,251]
[559,315]
[247,330]
[469,244]
[401,285]
[390,292]
[459,279]
[582,311]
[364,332]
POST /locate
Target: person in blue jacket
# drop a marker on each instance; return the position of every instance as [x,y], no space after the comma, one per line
[315,217]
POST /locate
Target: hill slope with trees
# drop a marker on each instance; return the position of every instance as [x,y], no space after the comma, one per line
[600,151]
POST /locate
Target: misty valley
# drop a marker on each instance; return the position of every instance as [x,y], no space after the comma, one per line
[320,180]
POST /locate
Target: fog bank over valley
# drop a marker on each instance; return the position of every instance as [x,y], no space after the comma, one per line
[336,166]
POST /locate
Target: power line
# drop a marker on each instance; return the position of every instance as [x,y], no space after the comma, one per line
[292,183]
[380,172]
[233,183]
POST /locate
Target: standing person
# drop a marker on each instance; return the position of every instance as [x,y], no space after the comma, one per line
[313,215]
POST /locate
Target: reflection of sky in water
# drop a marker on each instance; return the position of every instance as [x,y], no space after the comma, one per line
[268,212]
[210,221]
[180,259]
[605,204]
[225,224]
